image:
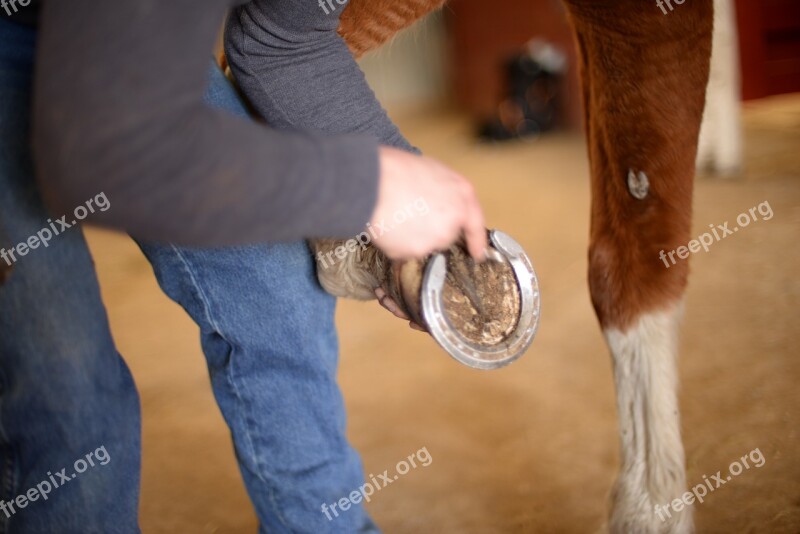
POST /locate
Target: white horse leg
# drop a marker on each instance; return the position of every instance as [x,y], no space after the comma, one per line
[720,146]
[652,459]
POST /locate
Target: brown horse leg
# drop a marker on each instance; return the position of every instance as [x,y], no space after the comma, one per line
[644,77]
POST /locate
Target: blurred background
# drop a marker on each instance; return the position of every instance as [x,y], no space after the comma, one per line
[492,90]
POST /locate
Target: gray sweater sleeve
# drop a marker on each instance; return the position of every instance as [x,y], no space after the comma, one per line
[297,72]
[118,109]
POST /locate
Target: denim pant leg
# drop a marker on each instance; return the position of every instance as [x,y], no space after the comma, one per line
[64,390]
[268,334]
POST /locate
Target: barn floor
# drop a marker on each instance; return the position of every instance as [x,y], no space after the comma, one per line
[533,447]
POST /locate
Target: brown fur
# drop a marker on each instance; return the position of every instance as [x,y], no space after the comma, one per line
[367,24]
[644,78]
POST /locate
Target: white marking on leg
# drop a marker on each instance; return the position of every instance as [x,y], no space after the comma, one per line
[652,468]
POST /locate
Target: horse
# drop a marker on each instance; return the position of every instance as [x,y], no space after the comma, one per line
[644,69]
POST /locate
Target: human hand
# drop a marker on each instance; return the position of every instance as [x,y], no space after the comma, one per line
[389,304]
[453,207]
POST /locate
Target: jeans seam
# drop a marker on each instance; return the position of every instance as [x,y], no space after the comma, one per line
[215,326]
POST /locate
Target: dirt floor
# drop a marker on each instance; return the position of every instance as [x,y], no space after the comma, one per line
[533,447]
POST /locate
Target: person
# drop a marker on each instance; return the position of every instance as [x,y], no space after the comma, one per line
[221,206]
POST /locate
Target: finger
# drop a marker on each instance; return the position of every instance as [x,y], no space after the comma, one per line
[475,232]
[388,302]
[415,326]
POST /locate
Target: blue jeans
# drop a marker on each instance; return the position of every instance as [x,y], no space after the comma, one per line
[267,332]
[64,389]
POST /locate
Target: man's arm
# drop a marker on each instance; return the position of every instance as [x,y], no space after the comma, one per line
[118,109]
[298,73]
